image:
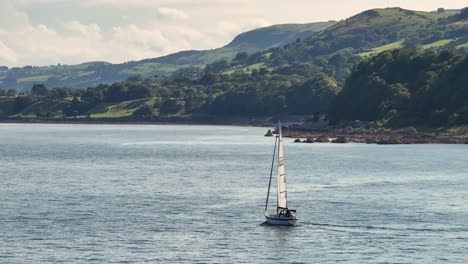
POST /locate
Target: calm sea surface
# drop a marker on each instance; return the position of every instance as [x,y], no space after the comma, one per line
[195,194]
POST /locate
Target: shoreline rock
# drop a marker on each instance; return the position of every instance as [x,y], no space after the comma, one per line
[340,140]
[392,140]
[408,136]
[322,139]
[269,133]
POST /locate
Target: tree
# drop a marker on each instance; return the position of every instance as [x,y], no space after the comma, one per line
[135,78]
[217,66]
[40,90]
[61,92]
[21,102]
[463,13]
[137,91]
[144,111]
[241,56]
[11,93]
[186,74]
[171,106]
[209,78]
[312,97]
[115,93]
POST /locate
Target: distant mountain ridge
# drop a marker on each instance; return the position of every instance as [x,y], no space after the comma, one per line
[329,47]
[252,41]
[390,57]
[338,48]
[93,73]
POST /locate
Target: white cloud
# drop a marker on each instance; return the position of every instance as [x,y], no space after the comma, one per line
[143,38]
[230,29]
[171,13]
[92,3]
[42,32]
[92,31]
[145,3]
[7,54]
[10,17]
[74,41]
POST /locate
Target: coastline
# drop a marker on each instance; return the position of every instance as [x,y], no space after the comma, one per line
[110,121]
[376,136]
[381,138]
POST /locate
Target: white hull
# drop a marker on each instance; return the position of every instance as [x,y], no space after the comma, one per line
[273,219]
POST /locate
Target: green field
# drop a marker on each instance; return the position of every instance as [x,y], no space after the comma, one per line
[437,44]
[390,46]
[399,44]
[247,69]
[116,110]
[40,78]
[464,45]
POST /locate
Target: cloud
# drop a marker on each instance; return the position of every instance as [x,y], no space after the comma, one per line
[171,13]
[92,31]
[92,3]
[10,17]
[141,3]
[7,54]
[232,28]
[143,38]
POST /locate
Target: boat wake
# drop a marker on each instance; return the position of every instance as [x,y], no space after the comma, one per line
[354,228]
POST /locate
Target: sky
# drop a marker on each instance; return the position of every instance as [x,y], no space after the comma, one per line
[49,32]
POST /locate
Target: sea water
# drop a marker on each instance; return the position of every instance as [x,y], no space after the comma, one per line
[196,194]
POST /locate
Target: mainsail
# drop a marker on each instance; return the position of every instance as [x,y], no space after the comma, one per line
[282,201]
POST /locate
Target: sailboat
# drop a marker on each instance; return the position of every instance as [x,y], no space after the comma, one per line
[283,215]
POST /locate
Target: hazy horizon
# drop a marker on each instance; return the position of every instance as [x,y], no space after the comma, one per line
[48,32]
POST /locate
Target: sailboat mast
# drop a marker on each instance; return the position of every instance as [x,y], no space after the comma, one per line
[271,173]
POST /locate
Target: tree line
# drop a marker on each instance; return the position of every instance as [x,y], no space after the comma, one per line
[398,87]
[406,87]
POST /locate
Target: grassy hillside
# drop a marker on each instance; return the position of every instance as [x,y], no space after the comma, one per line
[46,107]
[93,73]
[377,27]
[374,51]
[337,49]
[123,109]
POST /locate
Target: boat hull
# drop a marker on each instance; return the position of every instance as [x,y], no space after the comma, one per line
[275,220]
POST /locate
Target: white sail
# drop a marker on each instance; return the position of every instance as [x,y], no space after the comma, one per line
[282,202]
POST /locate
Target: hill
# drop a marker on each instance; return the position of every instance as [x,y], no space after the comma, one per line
[94,73]
[250,42]
[419,83]
[337,49]
[377,27]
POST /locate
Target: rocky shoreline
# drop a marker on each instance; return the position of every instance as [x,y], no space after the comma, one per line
[375,137]
[298,133]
